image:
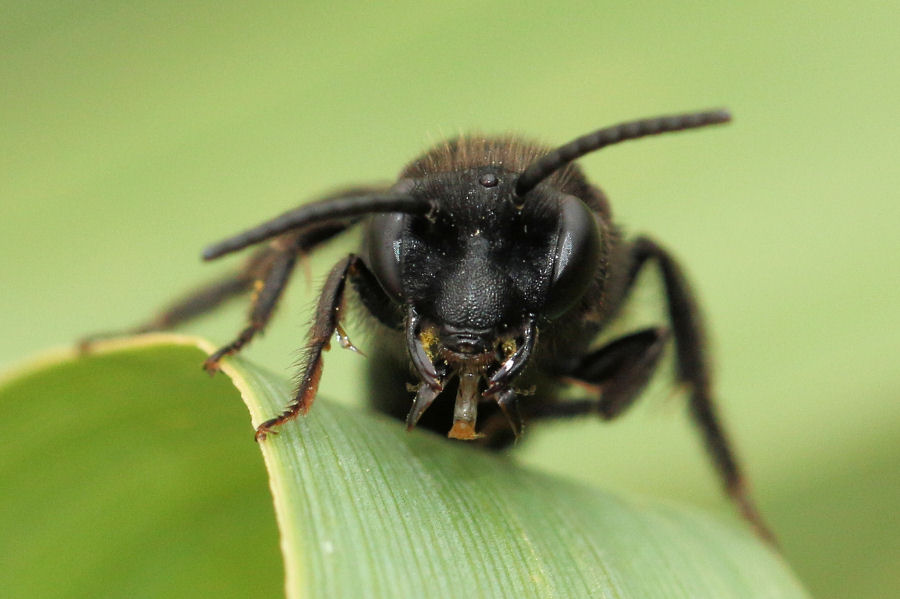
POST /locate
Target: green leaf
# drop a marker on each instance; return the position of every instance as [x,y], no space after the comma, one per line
[131,474]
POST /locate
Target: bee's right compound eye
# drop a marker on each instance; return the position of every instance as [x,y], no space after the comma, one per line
[576,255]
[384,248]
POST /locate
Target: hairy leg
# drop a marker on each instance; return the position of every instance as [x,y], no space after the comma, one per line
[325,324]
[265,298]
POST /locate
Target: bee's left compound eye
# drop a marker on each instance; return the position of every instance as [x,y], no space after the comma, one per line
[384,245]
[575,259]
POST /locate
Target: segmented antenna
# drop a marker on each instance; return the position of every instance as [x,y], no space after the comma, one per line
[545,166]
[317,212]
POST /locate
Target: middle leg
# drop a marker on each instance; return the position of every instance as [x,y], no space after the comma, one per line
[265,298]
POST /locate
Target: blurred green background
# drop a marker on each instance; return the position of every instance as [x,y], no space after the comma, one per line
[133,134]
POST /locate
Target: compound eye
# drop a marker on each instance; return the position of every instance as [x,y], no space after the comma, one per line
[576,256]
[383,243]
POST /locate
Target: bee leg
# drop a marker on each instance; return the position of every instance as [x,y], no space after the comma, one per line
[273,272]
[327,318]
[693,370]
[615,373]
[268,291]
[620,370]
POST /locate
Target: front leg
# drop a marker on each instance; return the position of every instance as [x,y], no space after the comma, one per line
[615,374]
[325,324]
[619,372]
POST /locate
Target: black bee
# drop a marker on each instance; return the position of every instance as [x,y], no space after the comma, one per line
[489,268]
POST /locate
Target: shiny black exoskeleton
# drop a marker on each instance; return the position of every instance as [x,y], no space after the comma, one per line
[488,271]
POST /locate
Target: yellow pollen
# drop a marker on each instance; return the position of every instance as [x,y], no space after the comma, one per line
[429,338]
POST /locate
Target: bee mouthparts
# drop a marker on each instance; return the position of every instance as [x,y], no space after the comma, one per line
[466,410]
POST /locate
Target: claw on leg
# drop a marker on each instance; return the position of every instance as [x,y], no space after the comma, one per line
[510,408]
[344,340]
[265,429]
[211,364]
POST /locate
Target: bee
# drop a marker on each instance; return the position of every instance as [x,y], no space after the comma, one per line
[488,269]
